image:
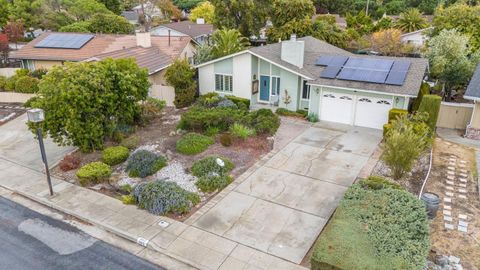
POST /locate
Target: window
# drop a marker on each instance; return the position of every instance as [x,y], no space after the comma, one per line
[275,86]
[223,83]
[305,91]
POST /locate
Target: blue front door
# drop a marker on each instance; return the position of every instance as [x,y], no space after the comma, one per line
[264,88]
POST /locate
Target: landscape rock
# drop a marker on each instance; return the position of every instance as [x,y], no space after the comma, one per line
[175,172]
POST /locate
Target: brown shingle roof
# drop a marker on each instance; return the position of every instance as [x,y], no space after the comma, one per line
[100,44]
[190,28]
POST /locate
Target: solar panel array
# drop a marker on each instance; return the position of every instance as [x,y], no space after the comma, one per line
[381,71]
[64,41]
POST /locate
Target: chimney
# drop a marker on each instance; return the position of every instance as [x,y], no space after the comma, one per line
[293,51]
[144,39]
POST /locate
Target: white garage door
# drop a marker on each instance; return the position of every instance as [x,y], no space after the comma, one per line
[336,107]
[372,112]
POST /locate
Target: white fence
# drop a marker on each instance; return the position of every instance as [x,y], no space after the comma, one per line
[162,92]
[8,72]
[454,115]
[11,97]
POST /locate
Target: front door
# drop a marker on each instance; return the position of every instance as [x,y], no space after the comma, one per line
[264,88]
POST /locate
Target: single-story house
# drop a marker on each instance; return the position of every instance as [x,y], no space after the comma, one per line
[154,53]
[473,93]
[199,32]
[417,38]
[312,75]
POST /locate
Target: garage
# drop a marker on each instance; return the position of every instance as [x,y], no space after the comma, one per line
[355,110]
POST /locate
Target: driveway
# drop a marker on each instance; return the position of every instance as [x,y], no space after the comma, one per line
[19,145]
[282,206]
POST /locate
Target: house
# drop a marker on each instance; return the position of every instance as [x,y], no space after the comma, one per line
[312,75]
[131,16]
[150,9]
[153,53]
[473,93]
[417,38]
[199,32]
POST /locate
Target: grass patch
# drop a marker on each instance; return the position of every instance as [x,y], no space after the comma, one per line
[193,143]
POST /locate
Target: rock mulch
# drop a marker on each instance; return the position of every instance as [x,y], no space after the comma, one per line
[444,263]
[175,172]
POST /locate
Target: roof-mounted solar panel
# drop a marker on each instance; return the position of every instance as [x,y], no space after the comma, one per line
[362,75]
[396,78]
[330,72]
[368,63]
[64,41]
[400,66]
[331,60]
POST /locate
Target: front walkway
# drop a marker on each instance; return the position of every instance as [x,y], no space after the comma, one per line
[456,136]
[267,219]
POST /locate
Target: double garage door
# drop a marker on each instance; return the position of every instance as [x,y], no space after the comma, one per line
[355,110]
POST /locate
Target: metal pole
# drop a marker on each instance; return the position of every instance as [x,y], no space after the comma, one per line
[44,159]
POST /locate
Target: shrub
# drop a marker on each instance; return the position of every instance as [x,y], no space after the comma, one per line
[160,197]
[69,162]
[193,143]
[10,83]
[152,107]
[212,131]
[28,85]
[30,103]
[22,72]
[393,114]
[39,73]
[424,90]
[226,103]
[199,118]
[378,182]
[208,165]
[130,142]
[3,81]
[128,199]
[313,117]
[212,183]
[180,75]
[115,155]
[94,172]
[386,129]
[209,100]
[264,121]
[143,163]
[431,105]
[241,131]
[226,139]
[286,112]
[374,229]
[240,102]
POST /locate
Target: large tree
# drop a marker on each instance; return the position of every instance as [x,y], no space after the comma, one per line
[388,42]
[109,24]
[4,12]
[187,4]
[227,41]
[285,11]
[411,20]
[84,102]
[114,6]
[361,23]
[300,28]
[205,11]
[248,16]
[330,33]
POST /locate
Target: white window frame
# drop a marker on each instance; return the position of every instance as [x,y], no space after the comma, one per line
[224,83]
[275,92]
[308,92]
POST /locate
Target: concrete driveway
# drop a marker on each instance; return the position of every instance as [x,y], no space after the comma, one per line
[19,145]
[282,205]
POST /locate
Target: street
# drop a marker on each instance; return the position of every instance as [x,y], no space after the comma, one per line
[30,240]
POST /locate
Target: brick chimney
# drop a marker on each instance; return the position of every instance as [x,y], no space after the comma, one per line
[144,39]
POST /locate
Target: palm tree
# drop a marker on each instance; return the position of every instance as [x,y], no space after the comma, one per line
[411,20]
[228,41]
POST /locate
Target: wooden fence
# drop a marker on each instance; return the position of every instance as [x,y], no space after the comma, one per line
[454,115]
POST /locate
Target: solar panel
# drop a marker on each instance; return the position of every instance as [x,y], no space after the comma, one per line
[330,72]
[401,66]
[65,41]
[368,63]
[331,60]
[396,78]
[362,75]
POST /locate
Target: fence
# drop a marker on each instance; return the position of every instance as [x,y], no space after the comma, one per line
[454,115]
[162,92]
[11,97]
[8,72]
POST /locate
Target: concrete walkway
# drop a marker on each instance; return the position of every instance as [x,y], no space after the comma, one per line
[267,219]
[456,136]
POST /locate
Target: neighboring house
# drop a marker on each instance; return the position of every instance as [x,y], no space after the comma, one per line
[199,32]
[313,75]
[131,16]
[473,93]
[154,53]
[417,38]
[150,9]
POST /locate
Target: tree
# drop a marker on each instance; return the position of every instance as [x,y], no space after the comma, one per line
[430,105]
[248,16]
[203,54]
[109,24]
[22,10]
[4,12]
[84,102]
[77,27]
[388,42]
[301,28]
[227,41]
[113,5]
[335,6]
[85,9]
[180,75]
[4,52]
[464,18]
[204,10]
[451,59]
[361,22]
[285,11]
[14,31]
[330,33]
[382,24]
[187,4]
[410,21]
[170,11]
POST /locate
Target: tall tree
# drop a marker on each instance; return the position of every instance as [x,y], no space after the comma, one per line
[14,31]
[411,20]
[362,23]
[109,24]
[388,42]
[24,11]
[4,12]
[187,4]
[330,33]
[285,11]
[85,9]
[301,28]
[113,5]
[227,41]
[335,6]
[204,10]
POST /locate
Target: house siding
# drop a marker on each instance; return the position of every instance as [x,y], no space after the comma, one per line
[224,66]
[46,64]
[242,78]
[289,83]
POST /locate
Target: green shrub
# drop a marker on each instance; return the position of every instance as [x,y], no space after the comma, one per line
[377,182]
[115,155]
[313,117]
[241,131]
[30,103]
[240,102]
[128,199]
[208,100]
[130,142]
[393,114]
[26,85]
[193,143]
[431,105]
[209,164]
[212,131]
[212,183]
[386,129]
[226,139]
[424,90]
[263,121]
[3,81]
[161,197]
[374,229]
[199,118]
[39,73]
[285,112]
[143,163]
[10,83]
[22,72]
[152,107]
[95,172]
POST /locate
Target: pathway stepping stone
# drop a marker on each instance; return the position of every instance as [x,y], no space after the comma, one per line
[447,218]
[462,196]
[450,172]
[449,226]
[450,177]
[447,213]
[447,207]
[451,168]
[463,171]
[463,162]
[461,190]
[462,229]
[462,185]
[462,223]
[462,216]
[464,175]
[449,194]
[450,188]
[463,180]
[448,200]
[450,183]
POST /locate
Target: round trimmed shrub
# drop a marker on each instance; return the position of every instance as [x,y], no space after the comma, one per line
[130,142]
[94,172]
[161,197]
[193,143]
[208,165]
[26,84]
[115,155]
[226,139]
[264,121]
[213,182]
[143,163]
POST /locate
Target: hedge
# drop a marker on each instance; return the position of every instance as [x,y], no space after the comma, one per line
[286,112]
[238,101]
[383,228]
[393,114]
[431,105]
[3,81]
[424,90]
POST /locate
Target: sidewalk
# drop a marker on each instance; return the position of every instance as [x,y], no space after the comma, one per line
[180,241]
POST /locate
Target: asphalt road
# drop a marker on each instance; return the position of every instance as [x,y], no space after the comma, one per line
[29,240]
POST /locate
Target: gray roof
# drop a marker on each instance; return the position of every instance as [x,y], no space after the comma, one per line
[315,48]
[473,89]
[190,28]
[130,15]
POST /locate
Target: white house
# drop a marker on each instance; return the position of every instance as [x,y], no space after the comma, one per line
[473,93]
[313,75]
[199,32]
[417,38]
